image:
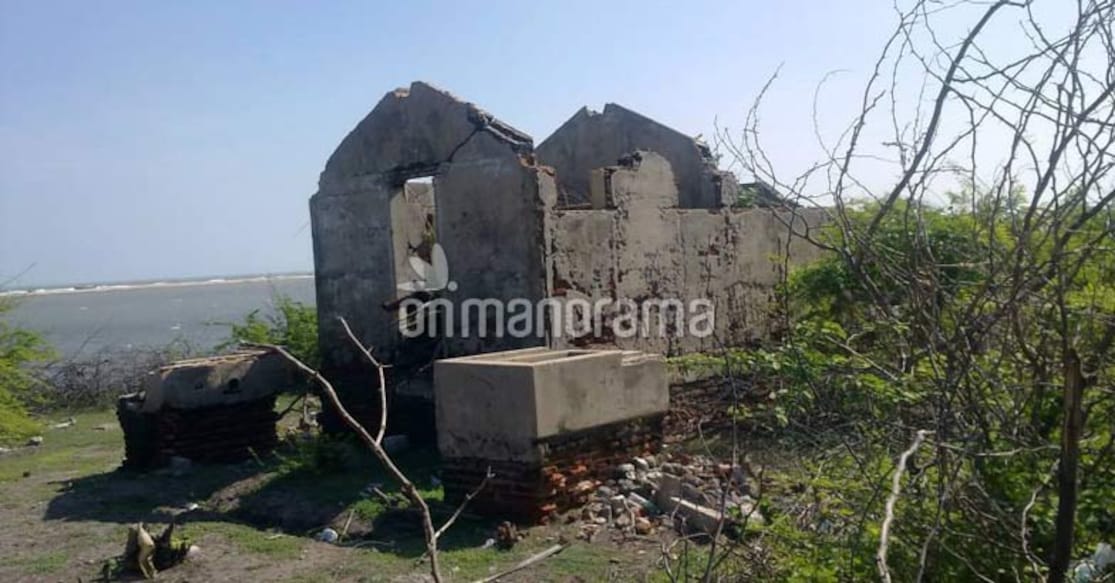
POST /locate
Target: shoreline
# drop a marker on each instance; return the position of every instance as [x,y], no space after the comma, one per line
[162,284]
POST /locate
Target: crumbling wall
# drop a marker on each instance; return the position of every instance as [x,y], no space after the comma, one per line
[591,140]
[489,198]
[571,463]
[637,245]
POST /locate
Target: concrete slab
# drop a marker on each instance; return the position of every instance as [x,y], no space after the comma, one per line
[497,405]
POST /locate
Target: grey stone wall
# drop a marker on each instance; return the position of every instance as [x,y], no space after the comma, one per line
[646,249]
[489,205]
[656,224]
[591,140]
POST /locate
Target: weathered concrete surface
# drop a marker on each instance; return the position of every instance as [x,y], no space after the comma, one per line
[497,406]
[488,213]
[214,409]
[409,133]
[216,381]
[659,227]
[591,140]
[641,249]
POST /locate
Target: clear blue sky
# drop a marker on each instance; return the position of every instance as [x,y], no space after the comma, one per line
[170,139]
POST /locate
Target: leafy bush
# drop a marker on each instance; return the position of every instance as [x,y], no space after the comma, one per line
[928,329]
[290,324]
[20,350]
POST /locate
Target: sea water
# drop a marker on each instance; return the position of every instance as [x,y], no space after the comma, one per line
[88,320]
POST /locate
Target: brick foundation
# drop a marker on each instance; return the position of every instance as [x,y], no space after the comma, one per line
[532,492]
[225,433]
[699,406]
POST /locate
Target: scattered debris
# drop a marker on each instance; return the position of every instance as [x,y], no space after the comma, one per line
[507,535]
[681,491]
[148,556]
[139,551]
[35,441]
[328,535]
[65,424]
[1095,568]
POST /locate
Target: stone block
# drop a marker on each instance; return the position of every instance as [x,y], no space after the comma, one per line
[499,405]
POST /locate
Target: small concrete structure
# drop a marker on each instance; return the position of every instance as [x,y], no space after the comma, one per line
[215,409]
[539,414]
[215,381]
[500,405]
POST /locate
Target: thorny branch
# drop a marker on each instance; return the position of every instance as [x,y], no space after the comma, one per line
[375,444]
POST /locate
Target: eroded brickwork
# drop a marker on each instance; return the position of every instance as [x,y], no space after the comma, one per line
[571,462]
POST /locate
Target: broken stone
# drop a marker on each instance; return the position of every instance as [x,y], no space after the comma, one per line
[669,488]
[626,471]
[750,512]
[328,535]
[35,441]
[65,424]
[641,502]
[694,494]
[641,464]
[674,468]
[697,516]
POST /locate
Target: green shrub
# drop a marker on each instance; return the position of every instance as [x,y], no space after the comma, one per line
[20,350]
[925,328]
[290,324]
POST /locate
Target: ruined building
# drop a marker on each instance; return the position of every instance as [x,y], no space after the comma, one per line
[612,206]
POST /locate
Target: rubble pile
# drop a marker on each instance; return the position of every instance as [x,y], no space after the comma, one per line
[653,493]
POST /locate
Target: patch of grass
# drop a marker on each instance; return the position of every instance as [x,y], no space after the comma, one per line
[77,450]
[248,539]
[42,564]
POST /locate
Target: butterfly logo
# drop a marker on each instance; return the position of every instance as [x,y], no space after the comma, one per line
[429,277]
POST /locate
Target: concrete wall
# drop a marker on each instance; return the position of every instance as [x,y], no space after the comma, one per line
[643,249]
[591,140]
[490,202]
